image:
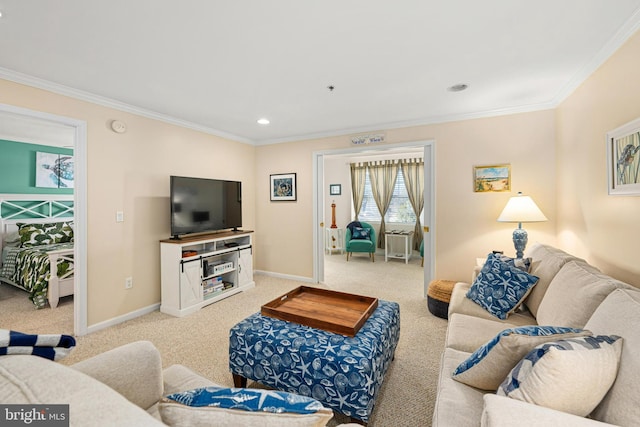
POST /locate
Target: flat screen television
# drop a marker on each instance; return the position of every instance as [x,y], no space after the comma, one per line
[201,205]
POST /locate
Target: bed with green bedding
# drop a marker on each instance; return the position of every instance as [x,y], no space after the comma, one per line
[27,262]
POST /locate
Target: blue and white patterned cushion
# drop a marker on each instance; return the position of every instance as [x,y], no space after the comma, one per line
[49,346]
[570,375]
[360,233]
[500,287]
[218,406]
[246,399]
[487,367]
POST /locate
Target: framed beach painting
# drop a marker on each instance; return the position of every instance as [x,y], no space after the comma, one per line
[623,159]
[283,187]
[492,178]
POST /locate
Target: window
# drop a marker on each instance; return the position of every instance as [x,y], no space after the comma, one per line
[400,210]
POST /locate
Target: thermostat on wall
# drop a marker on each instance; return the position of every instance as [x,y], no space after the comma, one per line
[118,126]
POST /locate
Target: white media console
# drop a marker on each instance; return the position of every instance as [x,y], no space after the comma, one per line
[199,270]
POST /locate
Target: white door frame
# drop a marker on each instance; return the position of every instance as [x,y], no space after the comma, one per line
[80,208]
[429,200]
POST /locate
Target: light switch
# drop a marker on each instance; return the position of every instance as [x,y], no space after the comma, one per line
[119,216]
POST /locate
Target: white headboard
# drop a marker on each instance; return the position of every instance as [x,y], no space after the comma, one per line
[33,208]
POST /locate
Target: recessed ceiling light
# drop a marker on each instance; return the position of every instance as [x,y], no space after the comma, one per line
[458,88]
[263,121]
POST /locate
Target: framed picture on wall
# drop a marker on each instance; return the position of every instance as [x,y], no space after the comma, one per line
[54,170]
[335,189]
[492,178]
[283,187]
[623,159]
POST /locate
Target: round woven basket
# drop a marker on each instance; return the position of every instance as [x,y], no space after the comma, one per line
[438,297]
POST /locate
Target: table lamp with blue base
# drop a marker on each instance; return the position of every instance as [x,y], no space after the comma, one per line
[521,209]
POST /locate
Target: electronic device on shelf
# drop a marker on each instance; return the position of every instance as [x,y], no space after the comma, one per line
[200,205]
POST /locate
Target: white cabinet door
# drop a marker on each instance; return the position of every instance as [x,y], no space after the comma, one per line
[245,267]
[190,283]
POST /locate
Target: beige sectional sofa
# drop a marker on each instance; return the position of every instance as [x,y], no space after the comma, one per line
[125,387]
[569,292]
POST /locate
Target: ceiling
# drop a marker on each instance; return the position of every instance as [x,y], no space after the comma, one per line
[219,66]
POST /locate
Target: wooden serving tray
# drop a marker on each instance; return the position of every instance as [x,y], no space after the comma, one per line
[332,311]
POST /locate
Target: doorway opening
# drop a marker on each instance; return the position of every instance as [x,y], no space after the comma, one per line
[22,124]
[425,148]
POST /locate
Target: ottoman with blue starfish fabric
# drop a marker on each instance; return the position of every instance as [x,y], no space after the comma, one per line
[344,373]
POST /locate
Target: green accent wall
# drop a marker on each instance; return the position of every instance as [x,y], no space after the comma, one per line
[18,168]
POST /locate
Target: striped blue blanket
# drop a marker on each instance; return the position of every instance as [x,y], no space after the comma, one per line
[50,346]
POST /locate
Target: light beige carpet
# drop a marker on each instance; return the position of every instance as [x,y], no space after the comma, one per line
[200,341]
[18,313]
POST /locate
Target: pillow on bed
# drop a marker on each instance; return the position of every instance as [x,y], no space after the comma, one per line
[44,234]
[12,239]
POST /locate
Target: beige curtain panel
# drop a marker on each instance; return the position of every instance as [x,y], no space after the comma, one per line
[382,175]
[413,171]
[358,178]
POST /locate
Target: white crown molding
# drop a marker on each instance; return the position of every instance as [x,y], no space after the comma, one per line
[39,83]
[380,127]
[36,82]
[622,35]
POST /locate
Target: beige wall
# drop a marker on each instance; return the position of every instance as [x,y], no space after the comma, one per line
[465,226]
[601,228]
[130,172]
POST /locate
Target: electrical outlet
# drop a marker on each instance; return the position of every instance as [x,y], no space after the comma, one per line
[128,283]
[119,216]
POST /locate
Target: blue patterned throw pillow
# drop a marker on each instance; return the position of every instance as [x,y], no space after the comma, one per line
[360,233]
[248,400]
[207,406]
[500,288]
[571,375]
[488,366]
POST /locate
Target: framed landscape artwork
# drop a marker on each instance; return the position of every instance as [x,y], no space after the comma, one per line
[491,178]
[283,187]
[623,159]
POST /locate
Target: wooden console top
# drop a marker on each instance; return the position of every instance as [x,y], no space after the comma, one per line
[208,236]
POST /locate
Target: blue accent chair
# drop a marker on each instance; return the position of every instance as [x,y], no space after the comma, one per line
[422,253]
[364,245]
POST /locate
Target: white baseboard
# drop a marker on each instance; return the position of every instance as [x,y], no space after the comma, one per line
[284,276]
[149,309]
[123,318]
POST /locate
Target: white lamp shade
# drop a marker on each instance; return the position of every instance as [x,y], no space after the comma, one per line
[521,209]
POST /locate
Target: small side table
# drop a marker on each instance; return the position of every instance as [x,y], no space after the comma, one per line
[439,296]
[408,246]
[334,240]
